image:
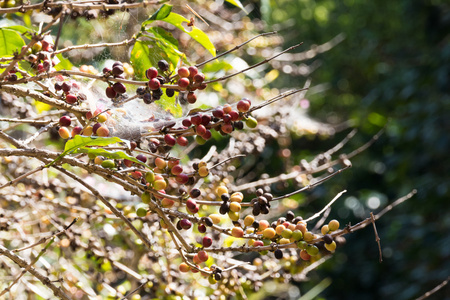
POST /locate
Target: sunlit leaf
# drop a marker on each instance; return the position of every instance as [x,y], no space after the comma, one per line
[63,64]
[80,141]
[238,4]
[170,105]
[10,41]
[109,154]
[162,12]
[25,31]
[197,34]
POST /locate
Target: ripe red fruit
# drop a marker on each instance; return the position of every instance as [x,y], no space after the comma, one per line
[201,228]
[76,130]
[206,119]
[218,112]
[127,163]
[182,141]
[227,108]
[183,83]
[183,72]
[170,140]
[207,241]
[66,87]
[192,71]
[199,78]
[117,69]
[227,128]
[151,73]
[141,157]
[234,115]
[96,127]
[196,119]
[182,178]
[136,174]
[258,243]
[65,121]
[202,255]
[185,224]
[227,118]
[243,105]
[186,123]
[200,130]
[154,84]
[191,204]
[194,210]
[191,98]
[207,135]
[110,92]
[176,170]
[119,88]
[71,99]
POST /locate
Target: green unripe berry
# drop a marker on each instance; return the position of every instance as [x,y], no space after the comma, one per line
[150,176]
[200,140]
[251,122]
[234,216]
[302,245]
[297,235]
[312,250]
[141,212]
[109,164]
[287,233]
[145,197]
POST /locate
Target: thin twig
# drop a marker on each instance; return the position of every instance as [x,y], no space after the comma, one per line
[253,66]
[235,48]
[377,238]
[45,280]
[326,207]
[437,288]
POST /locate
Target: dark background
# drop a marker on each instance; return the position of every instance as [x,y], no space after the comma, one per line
[393,70]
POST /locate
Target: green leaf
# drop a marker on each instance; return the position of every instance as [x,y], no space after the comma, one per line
[80,141]
[25,31]
[10,41]
[197,34]
[146,54]
[162,12]
[170,105]
[238,4]
[109,154]
[216,66]
[64,63]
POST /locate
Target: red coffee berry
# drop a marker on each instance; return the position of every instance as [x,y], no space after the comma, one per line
[192,71]
[243,105]
[71,99]
[65,121]
[110,92]
[183,72]
[207,241]
[154,84]
[170,140]
[196,119]
[182,141]
[151,73]
[119,88]
[191,98]
[183,83]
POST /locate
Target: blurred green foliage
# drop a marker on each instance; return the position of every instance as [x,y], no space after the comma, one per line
[392,69]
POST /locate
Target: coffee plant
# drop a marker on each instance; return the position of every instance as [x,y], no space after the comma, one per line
[144,176]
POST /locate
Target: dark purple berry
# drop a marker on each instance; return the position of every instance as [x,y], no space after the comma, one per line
[119,88]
